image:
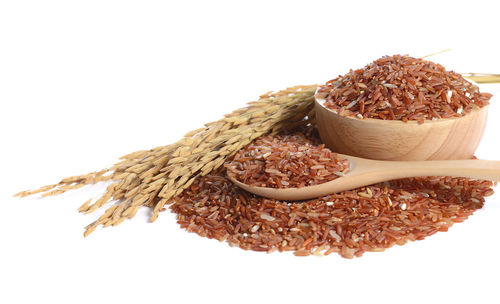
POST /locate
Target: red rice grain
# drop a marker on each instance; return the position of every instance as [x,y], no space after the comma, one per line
[349,223]
[286,161]
[402,88]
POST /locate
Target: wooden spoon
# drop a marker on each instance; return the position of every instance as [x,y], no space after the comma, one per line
[365,172]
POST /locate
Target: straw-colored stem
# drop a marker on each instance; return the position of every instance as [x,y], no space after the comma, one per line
[154,177]
[482,77]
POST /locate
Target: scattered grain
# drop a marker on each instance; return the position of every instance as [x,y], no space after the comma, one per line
[349,223]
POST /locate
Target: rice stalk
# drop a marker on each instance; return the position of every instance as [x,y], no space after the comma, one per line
[482,77]
[154,177]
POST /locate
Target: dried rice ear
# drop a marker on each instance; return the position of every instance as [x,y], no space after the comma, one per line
[155,177]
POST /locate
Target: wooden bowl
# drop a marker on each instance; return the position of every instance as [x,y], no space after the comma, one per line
[451,138]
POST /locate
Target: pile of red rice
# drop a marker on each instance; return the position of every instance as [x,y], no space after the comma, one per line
[350,223]
[402,88]
[286,161]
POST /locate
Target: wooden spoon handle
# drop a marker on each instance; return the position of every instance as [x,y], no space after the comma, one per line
[479,169]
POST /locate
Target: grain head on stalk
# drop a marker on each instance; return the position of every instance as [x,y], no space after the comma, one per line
[155,177]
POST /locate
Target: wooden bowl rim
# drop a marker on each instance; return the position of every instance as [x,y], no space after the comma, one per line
[320,102]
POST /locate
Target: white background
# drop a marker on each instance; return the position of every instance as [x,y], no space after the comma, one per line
[84,82]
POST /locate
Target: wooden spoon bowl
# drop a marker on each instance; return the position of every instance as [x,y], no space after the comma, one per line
[365,172]
[451,138]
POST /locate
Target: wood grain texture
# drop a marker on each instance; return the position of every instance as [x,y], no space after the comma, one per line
[454,138]
[367,172]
